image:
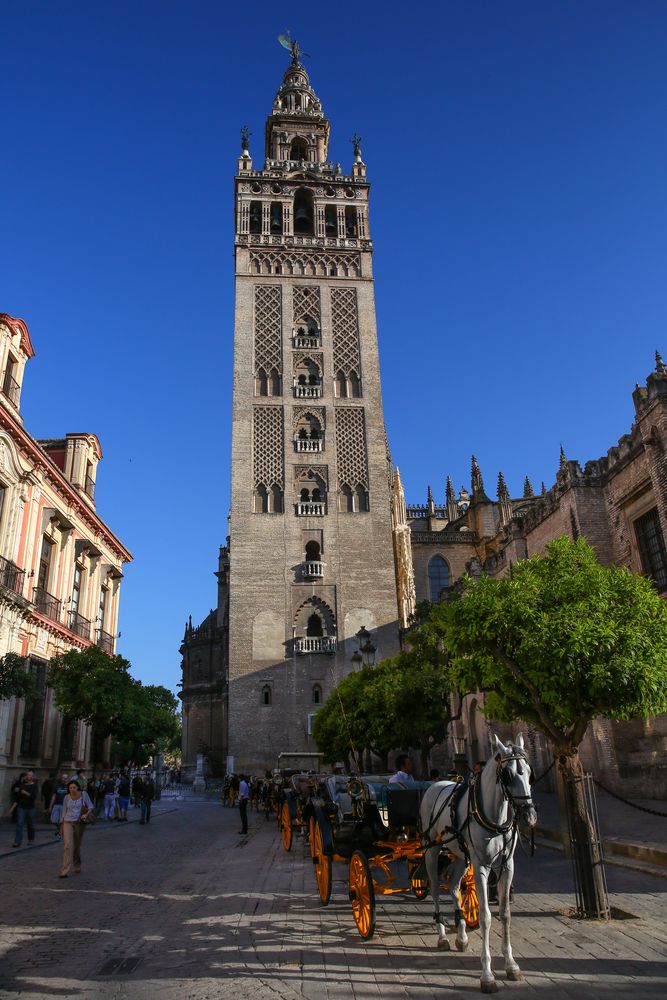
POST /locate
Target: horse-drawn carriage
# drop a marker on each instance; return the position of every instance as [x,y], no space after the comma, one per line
[295,805]
[373,826]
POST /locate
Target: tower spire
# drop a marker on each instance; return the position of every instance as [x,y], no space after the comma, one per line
[450,500]
[477,482]
[660,364]
[528,488]
[504,502]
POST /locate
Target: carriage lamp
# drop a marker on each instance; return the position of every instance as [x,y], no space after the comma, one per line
[357,660]
[368,652]
[363,635]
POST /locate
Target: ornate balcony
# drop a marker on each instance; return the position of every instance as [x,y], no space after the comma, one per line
[47,604]
[311,509]
[308,391]
[308,444]
[104,641]
[306,340]
[79,624]
[11,576]
[312,568]
[311,644]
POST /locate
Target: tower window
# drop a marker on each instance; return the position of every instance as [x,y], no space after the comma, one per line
[317,694]
[438,578]
[298,149]
[261,500]
[303,213]
[350,221]
[346,500]
[266,695]
[276,217]
[255,216]
[314,626]
[312,552]
[276,500]
[330,221]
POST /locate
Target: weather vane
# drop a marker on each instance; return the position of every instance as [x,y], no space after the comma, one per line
[356,142]
[292,47]
[245,137]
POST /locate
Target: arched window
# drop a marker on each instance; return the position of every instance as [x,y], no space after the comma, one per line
[317,694]
[438,578]
[274,383]
[266,695]
[276,500]
[355,385]
[261,383]
[312,551]
[255,216]
[341,385]
[350,221]
[346,500]
[276,217]
[317,496]
[361,498]
[303,213]
[330,220]
[304,495]
[298,149]
[261,500]
[314,626]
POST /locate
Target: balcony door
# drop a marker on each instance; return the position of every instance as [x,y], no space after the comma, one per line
[44,570]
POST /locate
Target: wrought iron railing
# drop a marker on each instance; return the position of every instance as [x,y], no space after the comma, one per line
[105,641]
[11,389]
[11,576]
[47,604]
[79,624]
[89,486]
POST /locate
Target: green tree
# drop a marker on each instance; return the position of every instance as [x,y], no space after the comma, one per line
[150,721]
[15,680]
[559,642]
[342,727]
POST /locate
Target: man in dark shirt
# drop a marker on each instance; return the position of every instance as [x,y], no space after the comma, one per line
[147,794]
[27,796]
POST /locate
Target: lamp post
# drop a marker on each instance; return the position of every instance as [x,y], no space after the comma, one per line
[365,654]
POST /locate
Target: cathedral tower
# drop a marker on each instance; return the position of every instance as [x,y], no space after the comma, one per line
[310,532]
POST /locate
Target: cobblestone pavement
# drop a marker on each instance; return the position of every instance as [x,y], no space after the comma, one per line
[187,908]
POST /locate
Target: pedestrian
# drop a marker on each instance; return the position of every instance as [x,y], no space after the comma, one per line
[98,797]
[147,793]
[57,799]
[13,812]
[136,790]
[109,797]
[244,794]
[434,774]
[404,769]
[81,780]
[46,792]
[123,796]
[77,807]
[27,797]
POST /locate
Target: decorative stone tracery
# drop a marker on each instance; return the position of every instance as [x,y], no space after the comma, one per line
[330,265]
[268,460]
[268,330]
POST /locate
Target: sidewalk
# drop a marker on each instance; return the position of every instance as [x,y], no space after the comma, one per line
[626,832]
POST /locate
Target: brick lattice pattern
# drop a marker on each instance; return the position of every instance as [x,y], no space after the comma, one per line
[268,328]
[267,441]
[306,302]
[345,330]
[351,447]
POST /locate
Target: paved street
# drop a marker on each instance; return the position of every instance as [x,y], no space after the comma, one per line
[187,908]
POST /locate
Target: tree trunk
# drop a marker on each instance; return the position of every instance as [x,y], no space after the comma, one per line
[586,856]
[423,757]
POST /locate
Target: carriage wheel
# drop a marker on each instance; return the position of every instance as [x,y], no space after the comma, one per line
[362,895]
[322,863]
[468,900]
[286,826]
[311,836]
[419,886]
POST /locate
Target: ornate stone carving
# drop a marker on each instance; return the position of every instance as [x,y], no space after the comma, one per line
[268,328]
[324,264]
[351,447]
[267,439]
[345,331]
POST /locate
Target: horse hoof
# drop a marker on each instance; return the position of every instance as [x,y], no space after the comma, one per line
[490,987]
[444,944]
[515,975]
[461,945]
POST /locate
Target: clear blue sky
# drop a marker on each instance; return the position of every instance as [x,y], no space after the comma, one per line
[517,152]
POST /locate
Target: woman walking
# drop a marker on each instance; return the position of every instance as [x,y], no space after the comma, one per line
[76,808]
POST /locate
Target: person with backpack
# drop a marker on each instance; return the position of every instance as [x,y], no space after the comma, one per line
[77,810]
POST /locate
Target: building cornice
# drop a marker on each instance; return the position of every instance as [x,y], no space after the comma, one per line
[18,326]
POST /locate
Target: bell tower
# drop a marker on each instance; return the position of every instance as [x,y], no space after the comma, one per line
[311,561]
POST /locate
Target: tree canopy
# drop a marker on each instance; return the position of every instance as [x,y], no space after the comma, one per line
[15,680]
[560,641]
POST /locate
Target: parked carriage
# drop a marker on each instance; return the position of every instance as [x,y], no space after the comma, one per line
[373,827]
[296,808]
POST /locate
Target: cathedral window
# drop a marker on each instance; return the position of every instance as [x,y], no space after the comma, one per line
[438,579]
[304,495]
[255,224]
[350,221]
[361,499]
[266,695]
[313,552]
[341,385]
[261,500]
[346,500]
[314,626]
[317,694]
[330,220]
[276,500]
[261,383]
[276,218]
[304,215]
[274,383]
[652,548]
[354,386]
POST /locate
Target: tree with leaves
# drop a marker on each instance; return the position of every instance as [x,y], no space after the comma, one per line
[559,642]
[15,679]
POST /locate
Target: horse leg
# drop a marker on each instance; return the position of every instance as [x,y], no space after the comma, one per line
[487,982]
[504,882]
[458,870]
[431,859]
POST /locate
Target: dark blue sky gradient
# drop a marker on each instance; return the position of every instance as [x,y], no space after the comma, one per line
[517,152]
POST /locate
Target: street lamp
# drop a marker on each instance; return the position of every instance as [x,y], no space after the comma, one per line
[365,655]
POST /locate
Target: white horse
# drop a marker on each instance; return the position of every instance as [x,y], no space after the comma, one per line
[485,829]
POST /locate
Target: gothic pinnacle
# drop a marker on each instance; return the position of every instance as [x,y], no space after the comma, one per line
[563,457]
[429,497]
[477,481]
[660,364]
[449,491]
[503,492]
[528,488]
[544,489]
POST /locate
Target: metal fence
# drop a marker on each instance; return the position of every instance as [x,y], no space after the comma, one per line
[594,857]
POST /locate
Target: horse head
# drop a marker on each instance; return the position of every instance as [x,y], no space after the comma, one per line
[513,772]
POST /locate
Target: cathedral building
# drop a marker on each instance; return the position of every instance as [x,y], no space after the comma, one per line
[323,547]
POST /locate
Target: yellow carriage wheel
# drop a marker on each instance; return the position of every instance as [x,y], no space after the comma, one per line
[311,836]
[286,826]
[468,900]
[321,863]
[362,895]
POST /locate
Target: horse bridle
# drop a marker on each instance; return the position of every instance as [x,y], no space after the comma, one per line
[504,778]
